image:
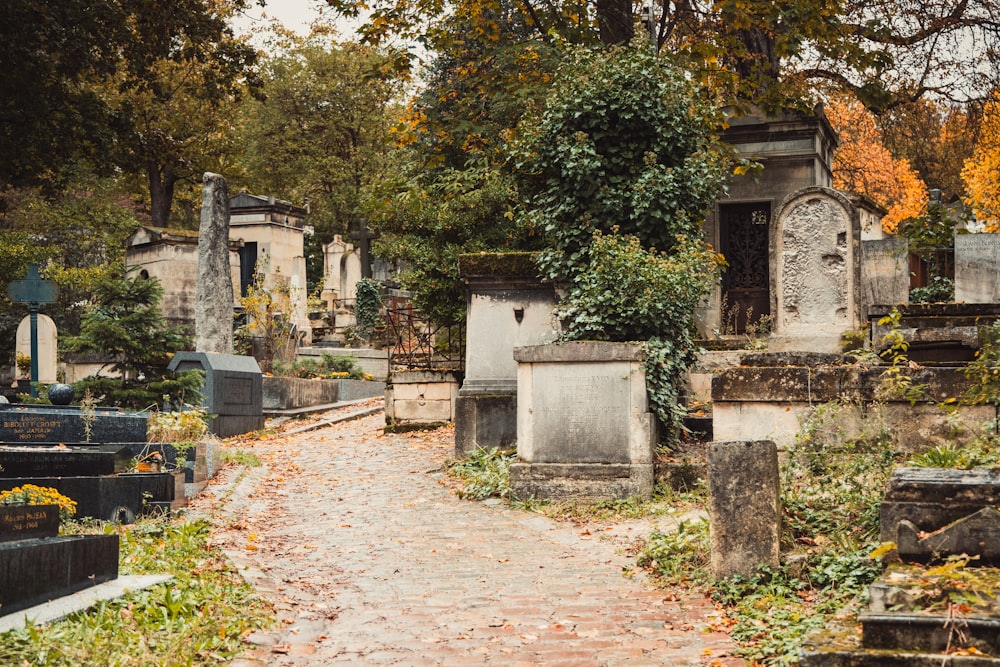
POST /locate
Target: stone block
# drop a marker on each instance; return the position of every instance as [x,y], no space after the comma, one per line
[584,404]
[34,571]
[744,506]
[976,534]
[421,397]
[485,422]
[581,481]
[233,391]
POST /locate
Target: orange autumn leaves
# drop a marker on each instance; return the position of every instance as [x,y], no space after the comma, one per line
[982,171]
[863,165]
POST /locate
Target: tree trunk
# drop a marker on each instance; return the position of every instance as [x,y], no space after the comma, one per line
[161,192]
[614,18]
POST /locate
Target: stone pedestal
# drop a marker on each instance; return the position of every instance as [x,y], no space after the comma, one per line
[420,397]
[744,506]
[508,306]
[584,429]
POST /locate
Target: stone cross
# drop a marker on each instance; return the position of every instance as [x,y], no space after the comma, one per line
[213,308]
[33,291]
[364,237]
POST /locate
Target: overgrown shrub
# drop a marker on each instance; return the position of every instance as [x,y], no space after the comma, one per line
[618,172]
[327,367]
[368,307]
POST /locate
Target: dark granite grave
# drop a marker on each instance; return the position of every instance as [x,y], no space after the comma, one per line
[36,565]
[118,498]
[48,424]
[62,461]
[233,391]
[28,522]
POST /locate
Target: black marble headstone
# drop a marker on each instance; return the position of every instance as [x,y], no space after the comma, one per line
[67,425]
[233,392]
[26,522]
[34,571]
[62,461]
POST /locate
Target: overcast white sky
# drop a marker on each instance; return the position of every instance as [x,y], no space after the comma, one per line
[294,14]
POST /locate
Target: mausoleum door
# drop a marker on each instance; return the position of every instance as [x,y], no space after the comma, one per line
[743,241]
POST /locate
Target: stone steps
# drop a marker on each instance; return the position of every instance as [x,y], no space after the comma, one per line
[941,607]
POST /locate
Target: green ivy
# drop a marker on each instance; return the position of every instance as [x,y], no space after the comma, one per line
[618,172]
[624,141]
[368,306]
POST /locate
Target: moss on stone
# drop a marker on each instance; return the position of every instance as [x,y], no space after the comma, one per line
[512,264]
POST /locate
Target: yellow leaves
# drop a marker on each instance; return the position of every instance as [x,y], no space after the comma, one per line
[981,172]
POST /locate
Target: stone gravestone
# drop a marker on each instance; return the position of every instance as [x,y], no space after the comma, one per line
[47,346]
[584,429]
[744,506]
[885,273]
[213,312]
[509,306]
[817,271]
[37,565]
[977,268]
[233,392]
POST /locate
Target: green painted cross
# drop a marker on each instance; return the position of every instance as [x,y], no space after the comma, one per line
[34,291]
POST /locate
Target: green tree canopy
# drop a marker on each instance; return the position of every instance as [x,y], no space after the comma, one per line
[132,86]
[321,133]
[769,53]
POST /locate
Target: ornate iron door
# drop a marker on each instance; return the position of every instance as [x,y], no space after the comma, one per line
[746,285]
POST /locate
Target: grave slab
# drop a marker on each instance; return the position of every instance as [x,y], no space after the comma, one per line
[27,522]
[44,461]
[33,571]
[37,424]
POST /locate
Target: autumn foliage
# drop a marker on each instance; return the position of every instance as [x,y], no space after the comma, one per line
[863,165]
[982,171]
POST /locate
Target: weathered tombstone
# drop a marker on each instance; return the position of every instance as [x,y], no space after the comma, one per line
[885,273]
[213,311]
[817,270]
[47,346]
[584,429]
[744,506]
[508,306]
[977,268]
[929,615]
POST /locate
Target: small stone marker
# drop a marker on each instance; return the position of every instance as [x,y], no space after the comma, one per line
[213,309]
[977,268]
[743,506]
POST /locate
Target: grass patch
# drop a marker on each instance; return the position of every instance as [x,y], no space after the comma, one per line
[484,473]
[199,618]
[240,457]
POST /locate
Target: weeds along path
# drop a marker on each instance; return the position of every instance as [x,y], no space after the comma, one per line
[370,559]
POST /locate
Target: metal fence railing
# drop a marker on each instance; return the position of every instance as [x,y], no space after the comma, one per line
[415,343]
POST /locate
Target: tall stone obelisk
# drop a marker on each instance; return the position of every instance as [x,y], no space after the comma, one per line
[213,308]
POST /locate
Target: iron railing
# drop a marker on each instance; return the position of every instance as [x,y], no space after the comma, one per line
[415,343]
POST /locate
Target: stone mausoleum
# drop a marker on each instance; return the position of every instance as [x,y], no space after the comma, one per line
[267,236]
